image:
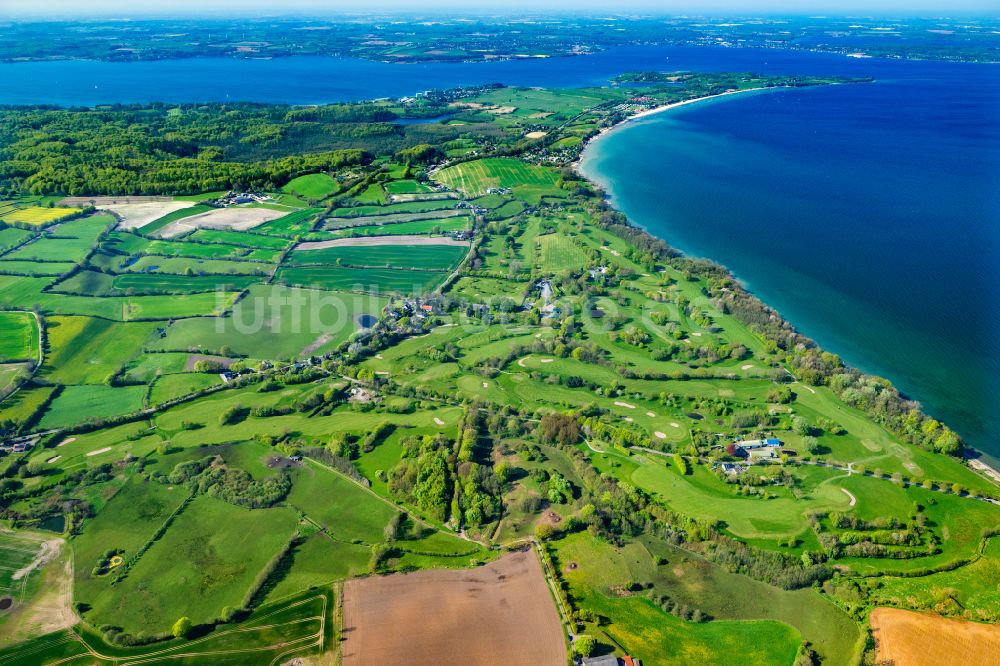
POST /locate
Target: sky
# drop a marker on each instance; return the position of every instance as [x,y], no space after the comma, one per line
[94,8]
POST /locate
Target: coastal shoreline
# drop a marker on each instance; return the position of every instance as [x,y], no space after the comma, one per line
[654,111]
[974,459]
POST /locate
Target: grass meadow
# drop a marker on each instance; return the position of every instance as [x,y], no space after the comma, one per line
[18,336]
[80,403]
[311,186]
[375,280]
[433,257]
[274,321]
[206,560]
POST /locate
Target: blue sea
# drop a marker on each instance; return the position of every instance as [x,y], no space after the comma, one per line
[868,214]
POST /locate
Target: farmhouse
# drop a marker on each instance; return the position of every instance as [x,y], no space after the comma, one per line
[731,469]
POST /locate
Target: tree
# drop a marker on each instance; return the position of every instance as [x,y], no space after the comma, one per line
[584,646]
[182,628]
[561,428]
[801,426]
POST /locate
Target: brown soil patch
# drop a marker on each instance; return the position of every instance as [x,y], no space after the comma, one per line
[281,462]
[906,638]
[135,215]
[364,241]
[194,358]
[501,613]
[323,339]
[236,218]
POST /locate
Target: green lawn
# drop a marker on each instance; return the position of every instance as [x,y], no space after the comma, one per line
[701,496]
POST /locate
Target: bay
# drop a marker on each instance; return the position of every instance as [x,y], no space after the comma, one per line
[868,215]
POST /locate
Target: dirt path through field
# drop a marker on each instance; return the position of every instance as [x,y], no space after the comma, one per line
[500,613]
[906,638]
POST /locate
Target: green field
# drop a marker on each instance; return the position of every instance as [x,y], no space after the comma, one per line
[385,280]
[189,266]
[559,253]
[433,257]
[69,242]
[206,561]
[311,186]
[275,322]
[78,404]
[345,510]
[643,629]
[241,238]
[477,177]
[440,225]
[406,187]
[12,237]
[18,336]
[86,350]
[22,292]
[292,224]
[396,208]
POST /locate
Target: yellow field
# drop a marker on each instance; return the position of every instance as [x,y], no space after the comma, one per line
[906,638]
[38,215]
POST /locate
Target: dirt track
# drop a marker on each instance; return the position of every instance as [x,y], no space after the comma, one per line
[361,241]
[906,638]
[501,613]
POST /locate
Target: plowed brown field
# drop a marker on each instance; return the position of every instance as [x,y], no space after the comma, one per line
[500,613]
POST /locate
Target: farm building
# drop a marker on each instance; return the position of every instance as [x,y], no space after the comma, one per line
[603,660]
[764,453]
[758,443]
[731,468]
[611,660]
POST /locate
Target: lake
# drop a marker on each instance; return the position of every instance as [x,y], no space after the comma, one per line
[866,214]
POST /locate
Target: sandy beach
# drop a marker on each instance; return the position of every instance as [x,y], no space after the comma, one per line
[659,109]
